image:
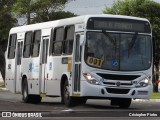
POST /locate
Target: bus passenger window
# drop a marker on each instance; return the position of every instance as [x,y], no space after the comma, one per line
[12,46]
[27,45]
[51,43]
[58,39]
[68,42]
[36,43]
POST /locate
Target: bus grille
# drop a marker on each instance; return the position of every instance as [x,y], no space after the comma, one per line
[117,91]
[113,83]
[118,77]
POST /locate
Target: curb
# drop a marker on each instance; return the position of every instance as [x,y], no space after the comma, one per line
[150,100]
[2,87]
[5,89]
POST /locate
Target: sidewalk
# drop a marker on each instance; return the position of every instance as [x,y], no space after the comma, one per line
[1,82]
[150,100]
[2,86]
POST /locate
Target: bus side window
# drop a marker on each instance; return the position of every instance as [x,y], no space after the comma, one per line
[36,43]
[12,46]
[58,39]
[51,43]
[27,45]
[68,41]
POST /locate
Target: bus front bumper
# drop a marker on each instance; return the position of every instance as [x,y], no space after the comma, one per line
[99,91]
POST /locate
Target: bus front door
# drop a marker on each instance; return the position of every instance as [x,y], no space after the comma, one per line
[43,63]
[77,64]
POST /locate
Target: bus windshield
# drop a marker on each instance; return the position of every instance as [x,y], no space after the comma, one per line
[118,51]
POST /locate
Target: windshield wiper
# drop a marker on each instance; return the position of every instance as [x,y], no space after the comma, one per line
[134,38]
[110,38]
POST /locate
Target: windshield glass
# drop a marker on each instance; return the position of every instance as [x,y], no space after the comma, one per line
[117,51]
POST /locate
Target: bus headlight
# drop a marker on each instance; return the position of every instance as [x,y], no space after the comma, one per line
[90,79]
[143,83]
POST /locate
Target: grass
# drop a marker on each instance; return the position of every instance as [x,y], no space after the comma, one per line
[155,95]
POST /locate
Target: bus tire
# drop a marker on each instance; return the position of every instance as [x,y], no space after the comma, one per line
[68,100]
[82,101]
[35,99]
[29,98]
[125,102]
[114,102]
[25,96]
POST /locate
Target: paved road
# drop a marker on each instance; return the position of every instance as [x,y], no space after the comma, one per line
[95,109]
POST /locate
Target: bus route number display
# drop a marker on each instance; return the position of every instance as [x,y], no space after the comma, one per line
[95,61]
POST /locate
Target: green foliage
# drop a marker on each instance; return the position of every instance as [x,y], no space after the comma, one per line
[6,20]
[40,10]
[53,16]
[37,6]
[155,96]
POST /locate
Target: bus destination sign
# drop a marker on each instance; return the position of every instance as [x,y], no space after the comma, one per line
[117,24]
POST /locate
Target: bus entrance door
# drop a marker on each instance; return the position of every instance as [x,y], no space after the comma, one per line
[18,67]
[77,64]
[43,63]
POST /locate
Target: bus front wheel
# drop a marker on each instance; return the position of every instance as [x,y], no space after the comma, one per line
[68,100]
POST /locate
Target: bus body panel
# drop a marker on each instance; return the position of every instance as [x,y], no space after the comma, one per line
[10,75]
[30,68]
[55,70]
[90,90]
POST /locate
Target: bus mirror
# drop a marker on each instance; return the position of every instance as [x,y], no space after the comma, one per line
[81,40]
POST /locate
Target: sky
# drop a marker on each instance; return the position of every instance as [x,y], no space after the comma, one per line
[83,7]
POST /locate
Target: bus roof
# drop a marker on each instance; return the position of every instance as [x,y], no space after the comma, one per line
[67,21]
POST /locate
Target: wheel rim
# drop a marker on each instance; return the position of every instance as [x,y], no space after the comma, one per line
[25,93]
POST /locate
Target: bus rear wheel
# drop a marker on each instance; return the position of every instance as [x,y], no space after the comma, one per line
[25,96]
[82,100]
[29,98]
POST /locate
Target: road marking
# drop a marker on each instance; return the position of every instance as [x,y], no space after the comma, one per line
[68,110]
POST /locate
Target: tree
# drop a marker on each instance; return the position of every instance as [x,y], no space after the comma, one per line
[53,16]
[6,22]
[39,10]
[22,8]
[141,8]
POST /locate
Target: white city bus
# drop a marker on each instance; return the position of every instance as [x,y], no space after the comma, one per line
[80,58]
